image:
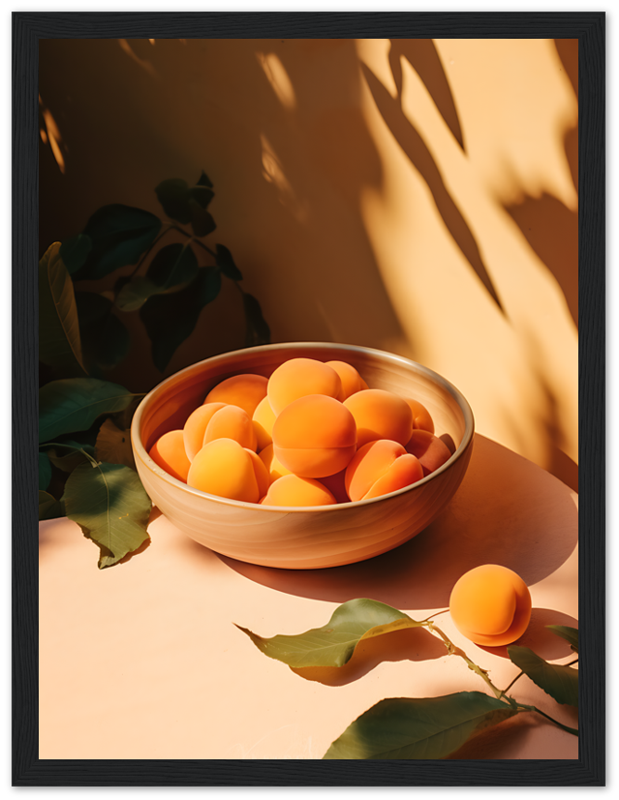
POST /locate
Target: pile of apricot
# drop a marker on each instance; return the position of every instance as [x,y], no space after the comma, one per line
[312,434]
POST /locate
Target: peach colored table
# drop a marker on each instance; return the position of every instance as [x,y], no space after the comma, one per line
[143,660]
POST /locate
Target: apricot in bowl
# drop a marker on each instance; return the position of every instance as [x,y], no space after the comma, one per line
[302,537]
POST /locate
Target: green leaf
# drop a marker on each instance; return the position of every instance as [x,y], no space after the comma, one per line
[173,265]
[424,728]
[202,222]
[49,507]
[105,340]
[114,445]
[135,292]
[202,195]
[559,681]
[75,251]
[173,194]
[68,457]
[45,471]
[225,262]
[169,319]
[569,634]
[257,331]
[204,180]
[119,234]
[334,643]
[60,345]
[73,404]
[110,505]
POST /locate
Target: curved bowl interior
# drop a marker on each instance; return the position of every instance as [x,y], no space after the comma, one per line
[302,538]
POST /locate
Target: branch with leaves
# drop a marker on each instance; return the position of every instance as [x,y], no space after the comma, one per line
[429,727]
[86,467]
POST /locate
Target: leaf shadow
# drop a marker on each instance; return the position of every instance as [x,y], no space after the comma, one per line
[418,153]
[412,644]
[424,58]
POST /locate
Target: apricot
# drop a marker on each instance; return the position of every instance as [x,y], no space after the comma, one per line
[195,427]
[224,468]
[232,422]
[314,436]
[299,377]
[380,415]
[274,467]
[431,451]
[351,380]
[422,419]
[490,605]
[263,418]
[168,452]
[245,391]
[291,490]
[380,467]
[336,484]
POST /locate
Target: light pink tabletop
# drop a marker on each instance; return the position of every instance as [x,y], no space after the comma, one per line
[143,660]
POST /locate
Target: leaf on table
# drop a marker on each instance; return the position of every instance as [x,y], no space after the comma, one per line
[557,680]
[424,728]
[60,345]
[334,643]
[114,445]
[73,404]
[110,505]
[565,632]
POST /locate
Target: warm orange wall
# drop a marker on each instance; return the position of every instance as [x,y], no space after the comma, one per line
[417,196]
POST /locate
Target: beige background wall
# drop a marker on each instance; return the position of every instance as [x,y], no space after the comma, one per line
[417,196]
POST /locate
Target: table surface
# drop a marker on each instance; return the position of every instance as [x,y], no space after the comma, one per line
[142,660]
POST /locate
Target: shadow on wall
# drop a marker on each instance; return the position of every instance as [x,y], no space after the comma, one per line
[280,128]
[424,58]
[287,189]
[550,227]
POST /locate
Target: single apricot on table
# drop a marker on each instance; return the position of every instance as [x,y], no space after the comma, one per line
[314,436]
[299,377]
[168,452]
[224,468]
[380,467]
[291,490]
[380,415]
[490,605]
[245,391]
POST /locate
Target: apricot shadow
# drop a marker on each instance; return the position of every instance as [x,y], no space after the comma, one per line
[507,511]
[539,638]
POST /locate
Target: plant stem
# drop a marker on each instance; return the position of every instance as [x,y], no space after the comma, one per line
[456,651]
[512,683]
[573,731]
[197,241]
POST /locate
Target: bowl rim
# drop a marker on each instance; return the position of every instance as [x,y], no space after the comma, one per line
[467,412]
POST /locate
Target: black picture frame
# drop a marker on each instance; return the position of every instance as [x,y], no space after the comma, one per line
[589,769]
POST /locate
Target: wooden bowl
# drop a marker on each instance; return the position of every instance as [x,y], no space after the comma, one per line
[302,538]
